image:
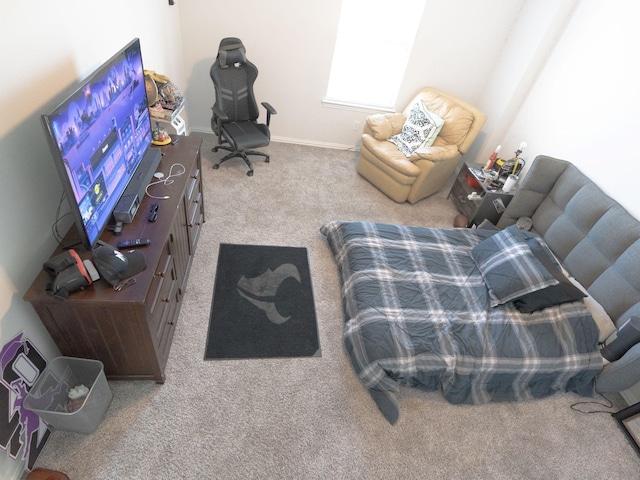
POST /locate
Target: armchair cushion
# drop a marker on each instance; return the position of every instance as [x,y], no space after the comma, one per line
[388,154]
[435,153]
[420,129]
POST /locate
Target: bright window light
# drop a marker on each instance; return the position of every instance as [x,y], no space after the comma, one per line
[373,45]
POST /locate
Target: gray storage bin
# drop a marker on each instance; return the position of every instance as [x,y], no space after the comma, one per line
[49,396]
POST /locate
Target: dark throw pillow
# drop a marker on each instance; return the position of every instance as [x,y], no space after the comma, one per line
[509,267]
[564,291]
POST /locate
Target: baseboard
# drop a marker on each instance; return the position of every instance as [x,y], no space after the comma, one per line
[297,141]
[313,143]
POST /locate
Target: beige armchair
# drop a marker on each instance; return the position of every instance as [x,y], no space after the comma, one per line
[427,170]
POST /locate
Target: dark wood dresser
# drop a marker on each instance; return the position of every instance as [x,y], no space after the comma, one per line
[131,330]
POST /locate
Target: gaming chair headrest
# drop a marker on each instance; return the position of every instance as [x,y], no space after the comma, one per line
[230,51]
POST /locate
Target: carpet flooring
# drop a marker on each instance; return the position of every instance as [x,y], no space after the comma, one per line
[306,417]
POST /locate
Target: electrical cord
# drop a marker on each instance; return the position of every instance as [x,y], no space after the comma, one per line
[54,227]
[608,404]
[168,180]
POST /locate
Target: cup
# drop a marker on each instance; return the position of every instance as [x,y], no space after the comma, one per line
[510,183]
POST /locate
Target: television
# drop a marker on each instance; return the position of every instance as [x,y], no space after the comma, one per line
[100,138]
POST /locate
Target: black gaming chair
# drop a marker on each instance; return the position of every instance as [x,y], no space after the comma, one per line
[235,112]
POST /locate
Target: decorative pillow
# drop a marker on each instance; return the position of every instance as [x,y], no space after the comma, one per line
[509,267]
[564,291]
[420,130]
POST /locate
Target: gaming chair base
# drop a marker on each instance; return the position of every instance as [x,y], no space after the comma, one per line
[239,154]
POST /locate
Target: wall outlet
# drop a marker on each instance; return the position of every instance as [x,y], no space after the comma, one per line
[357,125]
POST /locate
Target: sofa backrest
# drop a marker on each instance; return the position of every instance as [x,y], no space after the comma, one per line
[597,240]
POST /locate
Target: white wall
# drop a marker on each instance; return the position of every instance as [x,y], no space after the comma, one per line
[46,48]
[578,97]
[292,42]
[558,74]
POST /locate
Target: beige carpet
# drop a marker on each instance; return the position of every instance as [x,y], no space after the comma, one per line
[310,418]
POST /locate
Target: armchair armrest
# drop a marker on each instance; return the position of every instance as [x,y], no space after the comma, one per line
[621,374]
[270,111]
[382,126]
[435,153]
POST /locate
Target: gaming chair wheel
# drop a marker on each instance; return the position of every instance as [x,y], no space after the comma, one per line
[216,166]
[266,160]
[215,149]
[250,173]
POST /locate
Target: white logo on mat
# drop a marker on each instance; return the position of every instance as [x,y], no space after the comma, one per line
[261,290]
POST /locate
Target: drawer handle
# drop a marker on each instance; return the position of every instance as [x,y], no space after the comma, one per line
[161,274]
[165,300]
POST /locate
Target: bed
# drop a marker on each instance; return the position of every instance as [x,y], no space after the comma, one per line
[496,313]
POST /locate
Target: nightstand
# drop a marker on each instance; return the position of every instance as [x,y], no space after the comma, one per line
[487,203]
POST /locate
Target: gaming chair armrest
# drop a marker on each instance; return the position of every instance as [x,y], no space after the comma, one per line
[219,114]
[219,117]
[270,111]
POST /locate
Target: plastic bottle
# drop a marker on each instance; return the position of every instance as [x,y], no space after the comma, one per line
[492,158]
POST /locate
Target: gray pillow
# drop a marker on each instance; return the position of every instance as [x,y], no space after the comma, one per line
[565,291]
[509,267]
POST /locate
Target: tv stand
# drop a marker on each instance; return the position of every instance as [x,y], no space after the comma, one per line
[131,330]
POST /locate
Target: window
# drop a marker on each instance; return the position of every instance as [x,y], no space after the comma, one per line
[374,41]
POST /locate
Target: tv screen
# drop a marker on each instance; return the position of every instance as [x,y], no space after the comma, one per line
[98,137]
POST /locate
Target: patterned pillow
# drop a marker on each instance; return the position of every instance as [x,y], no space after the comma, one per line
[420,130]
[509,268]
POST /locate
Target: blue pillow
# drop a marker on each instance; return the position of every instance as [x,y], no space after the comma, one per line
[509,267]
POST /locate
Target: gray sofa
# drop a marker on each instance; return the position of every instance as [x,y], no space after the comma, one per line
[597,240]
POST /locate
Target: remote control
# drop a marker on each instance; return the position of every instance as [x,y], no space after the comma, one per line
[138,242]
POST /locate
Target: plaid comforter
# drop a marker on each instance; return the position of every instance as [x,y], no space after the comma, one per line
[417,313]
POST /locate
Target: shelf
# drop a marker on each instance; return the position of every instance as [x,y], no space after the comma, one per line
[171,117]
